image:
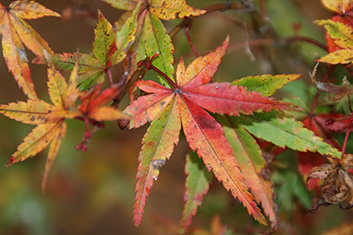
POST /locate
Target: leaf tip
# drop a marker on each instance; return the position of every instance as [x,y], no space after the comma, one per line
[10,162]
[137,221]
[226,42]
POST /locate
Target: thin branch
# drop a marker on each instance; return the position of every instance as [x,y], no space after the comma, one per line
[138,74]
[271,41]
[209,9]
[252,43]
[187,29]
[263,9]
[306,39]
[345,142]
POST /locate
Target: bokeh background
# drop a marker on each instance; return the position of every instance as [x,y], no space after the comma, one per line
[93,192]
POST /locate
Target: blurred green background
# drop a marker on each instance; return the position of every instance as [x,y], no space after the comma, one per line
[93,192]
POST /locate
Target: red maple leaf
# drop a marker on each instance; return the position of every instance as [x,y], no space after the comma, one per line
[184,105]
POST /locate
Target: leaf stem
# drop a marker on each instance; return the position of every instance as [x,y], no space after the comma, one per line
[110,77]
[271,41]
[171,82]
[138,74]
[345,142]
[187,29]
[306,39]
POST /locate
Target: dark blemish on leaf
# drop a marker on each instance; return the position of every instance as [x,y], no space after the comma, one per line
[156,164]
[11,160]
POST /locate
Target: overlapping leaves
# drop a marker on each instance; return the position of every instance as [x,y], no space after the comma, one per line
[50,118]
[150,34]
[227,152]
[339,32]
[96,66]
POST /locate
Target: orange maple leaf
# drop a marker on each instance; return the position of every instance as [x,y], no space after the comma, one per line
[15,31]
[50,119]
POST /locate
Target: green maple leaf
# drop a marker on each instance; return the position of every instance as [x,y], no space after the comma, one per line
[106,52]
[150,34]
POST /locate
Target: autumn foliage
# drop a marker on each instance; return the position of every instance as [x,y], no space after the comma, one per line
[231,127]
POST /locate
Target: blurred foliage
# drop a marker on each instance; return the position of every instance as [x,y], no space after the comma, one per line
[93,193]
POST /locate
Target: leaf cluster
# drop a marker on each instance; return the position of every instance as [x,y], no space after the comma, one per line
[223,123]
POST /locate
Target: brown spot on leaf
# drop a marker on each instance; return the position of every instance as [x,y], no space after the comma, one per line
[156,164]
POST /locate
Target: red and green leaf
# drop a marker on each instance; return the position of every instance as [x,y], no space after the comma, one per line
[50,119]
[157,147]
[188,98]
[252,165]
[197,184]
[286,132]
[96,66]
[266,84]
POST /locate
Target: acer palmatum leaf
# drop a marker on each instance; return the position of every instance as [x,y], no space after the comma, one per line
[266,84]
[286,132]
[338,6]
[186,102]
[51,128]
[196,186]
[15,32]
[252,165]
[150,36]
[157,146]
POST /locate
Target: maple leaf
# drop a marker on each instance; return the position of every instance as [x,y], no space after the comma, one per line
[50,119]
[266,84]
[150,34]
[197,184]
[332,46]
[252,165]
[15,32]
[183,105]
[37,112]
[341,34]
[338,6]
[286,132]
[94,67]
[248,152]
[307,161]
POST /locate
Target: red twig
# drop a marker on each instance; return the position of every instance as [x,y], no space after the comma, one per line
[187,29]
[345,142]
[306,39]
[263,9]
[110,77]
